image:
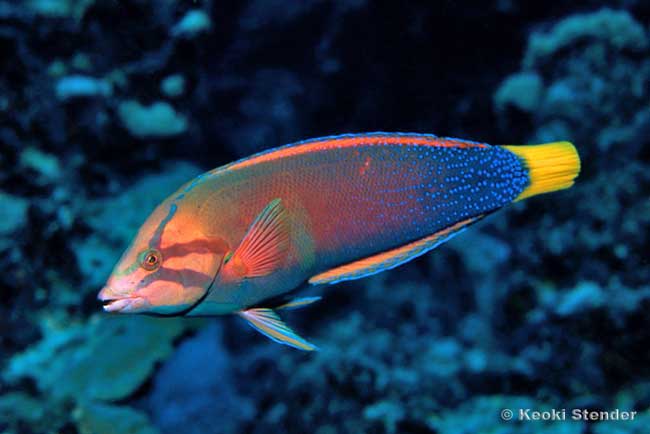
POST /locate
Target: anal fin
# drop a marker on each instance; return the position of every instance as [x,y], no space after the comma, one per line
[391,258]
[267,322]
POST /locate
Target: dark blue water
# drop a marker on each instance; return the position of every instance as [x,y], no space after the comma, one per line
[107,107]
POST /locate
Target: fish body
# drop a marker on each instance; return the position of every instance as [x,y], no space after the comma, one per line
[322,210]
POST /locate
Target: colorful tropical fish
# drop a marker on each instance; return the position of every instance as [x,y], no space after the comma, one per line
[324,210]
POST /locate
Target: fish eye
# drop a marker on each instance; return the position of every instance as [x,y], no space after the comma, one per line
[151,260]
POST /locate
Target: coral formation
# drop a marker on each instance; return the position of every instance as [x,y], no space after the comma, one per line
[64,364]
[156,120]
[173,86]
[193,22]
[76,86]
[94,418]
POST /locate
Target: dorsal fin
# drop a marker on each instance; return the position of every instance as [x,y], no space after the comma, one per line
[391,258]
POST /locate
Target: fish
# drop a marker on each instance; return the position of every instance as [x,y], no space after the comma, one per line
[242,238]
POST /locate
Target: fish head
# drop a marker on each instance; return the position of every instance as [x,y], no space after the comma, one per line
[168,268]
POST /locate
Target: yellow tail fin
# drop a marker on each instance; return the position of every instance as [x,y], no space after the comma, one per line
[551,166]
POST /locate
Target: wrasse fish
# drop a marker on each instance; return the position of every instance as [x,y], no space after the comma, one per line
[323,211]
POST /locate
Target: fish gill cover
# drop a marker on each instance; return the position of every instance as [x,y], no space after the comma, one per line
[108,107]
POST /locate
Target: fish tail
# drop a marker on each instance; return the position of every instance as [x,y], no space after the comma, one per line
[551,166]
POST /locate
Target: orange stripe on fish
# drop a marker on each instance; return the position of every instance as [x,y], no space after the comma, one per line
[392,258]
[354,140]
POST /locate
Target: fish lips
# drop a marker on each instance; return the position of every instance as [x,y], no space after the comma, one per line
[119,303]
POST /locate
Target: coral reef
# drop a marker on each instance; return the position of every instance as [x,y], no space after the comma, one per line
[106,109]
[64,364]
[72,367]
[106,419]
[157,120]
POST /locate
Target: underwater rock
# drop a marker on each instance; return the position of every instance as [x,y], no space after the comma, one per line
[71,361]
[18,409]
[482,415]
[96,418]
[585,296]
[173,85]
[637,426]
[188,403]
[59,8]
[156,120]
[389,413]
[628,399]
[612,27]
[13,214]
[487,253]
[596,77]
[20,405]
[46,166]
[522,90]
[617,299]
[193,23]
[77,86]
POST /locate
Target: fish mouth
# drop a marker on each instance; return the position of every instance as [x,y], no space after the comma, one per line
[120,304]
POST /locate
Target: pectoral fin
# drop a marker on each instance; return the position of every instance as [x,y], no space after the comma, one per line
[391,258]
[267,322]
[265,245]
